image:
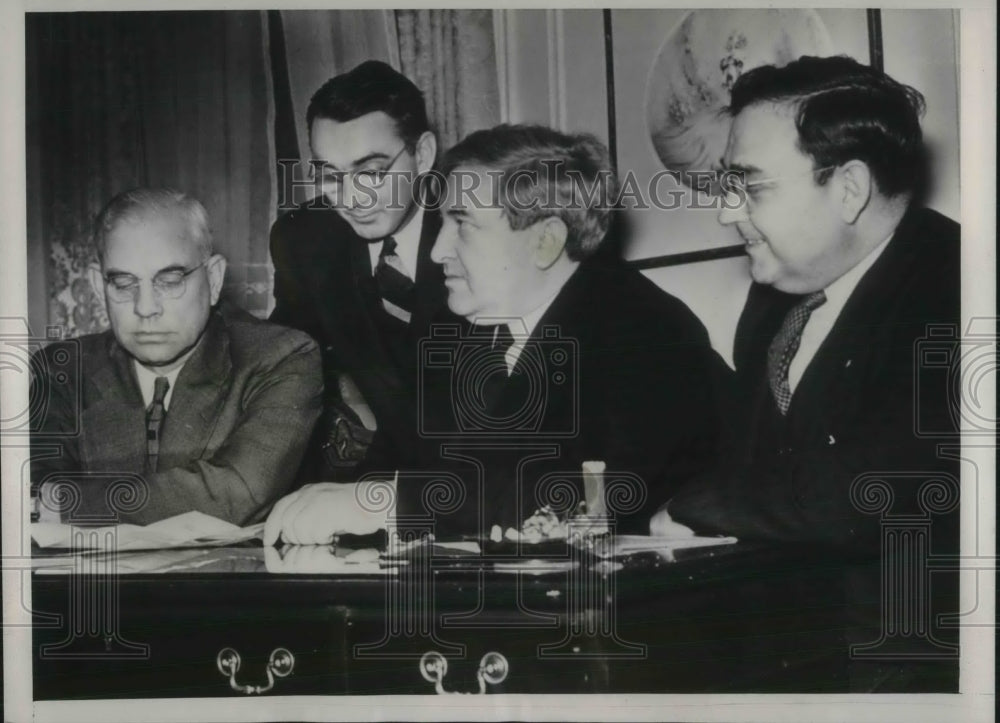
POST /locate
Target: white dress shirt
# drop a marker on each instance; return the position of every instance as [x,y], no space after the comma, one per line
[147,382]
[407,245]
[824,317]
[520,328]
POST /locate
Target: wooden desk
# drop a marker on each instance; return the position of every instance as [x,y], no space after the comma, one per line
[738,618]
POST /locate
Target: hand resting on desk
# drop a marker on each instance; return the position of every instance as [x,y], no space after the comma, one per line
[320,559]
[316,514]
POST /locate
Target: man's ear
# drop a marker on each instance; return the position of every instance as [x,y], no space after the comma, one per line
[856,189]
[96,279]
[216,266]
[426,152]
[551,241]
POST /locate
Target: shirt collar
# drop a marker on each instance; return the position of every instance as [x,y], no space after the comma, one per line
[521,327]
[525,326]
[147,381]
[408,241]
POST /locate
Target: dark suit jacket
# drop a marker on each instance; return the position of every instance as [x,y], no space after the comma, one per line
[241,411]
[323,285]
[616,371]
[853,412]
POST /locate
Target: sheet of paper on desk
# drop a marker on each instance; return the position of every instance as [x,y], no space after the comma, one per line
[190,529]
[630,544]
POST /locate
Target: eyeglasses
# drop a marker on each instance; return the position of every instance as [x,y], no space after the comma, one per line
[166,284]
[733,181]
[333,181]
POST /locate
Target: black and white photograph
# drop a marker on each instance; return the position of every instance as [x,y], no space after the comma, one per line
[511,363]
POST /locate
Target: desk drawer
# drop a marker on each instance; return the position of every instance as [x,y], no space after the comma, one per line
[170,646]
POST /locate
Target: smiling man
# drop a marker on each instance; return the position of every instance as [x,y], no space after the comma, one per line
[850,275]
[353,268]
[208,405]
[565,356]
[849,270]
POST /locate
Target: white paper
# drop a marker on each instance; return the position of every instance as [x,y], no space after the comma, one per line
[190,529]
[631,544]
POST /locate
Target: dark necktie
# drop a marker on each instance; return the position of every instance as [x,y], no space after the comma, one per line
[154,420]
[494,369]
[502,339]
[394,286]
[786,344]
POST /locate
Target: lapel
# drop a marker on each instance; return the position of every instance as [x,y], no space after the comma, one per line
[363,333]
[567,312]
[354,332]
[114,423]
[342,285]
[531,369]
[855,336]
[197,400]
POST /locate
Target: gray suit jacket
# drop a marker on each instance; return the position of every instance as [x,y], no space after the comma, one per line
[241,412]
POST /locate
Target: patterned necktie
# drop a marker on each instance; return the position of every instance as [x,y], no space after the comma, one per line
[785,345]
[394,286]
[154,420]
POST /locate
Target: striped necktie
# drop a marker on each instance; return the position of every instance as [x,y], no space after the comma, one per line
[785,345]
[394,286]
[154,420]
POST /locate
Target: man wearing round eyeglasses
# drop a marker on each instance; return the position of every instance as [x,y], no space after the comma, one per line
[208,405]
[353,267]
[851,275]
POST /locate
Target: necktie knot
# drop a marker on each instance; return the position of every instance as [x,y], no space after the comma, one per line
[786,344]
[388,247]
[813,301]
[502,338]
[161,385]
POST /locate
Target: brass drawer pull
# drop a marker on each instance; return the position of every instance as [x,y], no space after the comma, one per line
[493,669]
[281,664]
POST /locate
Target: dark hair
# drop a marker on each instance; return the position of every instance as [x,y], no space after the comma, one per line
[140,203]
[845,110]
[367,88]
[543,173]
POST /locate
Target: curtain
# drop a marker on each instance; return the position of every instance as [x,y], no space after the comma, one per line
[450,55]
[117,100]
[189,99]
[320,44]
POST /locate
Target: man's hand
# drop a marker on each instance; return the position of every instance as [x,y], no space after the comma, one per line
[663,526]
[318,513]
[300,559]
